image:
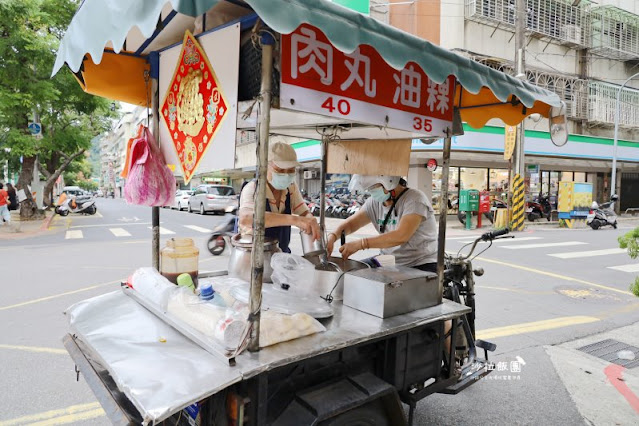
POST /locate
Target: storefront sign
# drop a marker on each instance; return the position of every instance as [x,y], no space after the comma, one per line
[532,168]
[194,106]
[431,165]
[360,86]
[510,138]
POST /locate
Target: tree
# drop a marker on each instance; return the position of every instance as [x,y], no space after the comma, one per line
[30,31]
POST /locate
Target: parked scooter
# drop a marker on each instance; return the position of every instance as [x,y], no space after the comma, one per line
[602,215]
[83,205]
[539,209]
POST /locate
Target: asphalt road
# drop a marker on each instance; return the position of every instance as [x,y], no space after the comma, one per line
[544,287]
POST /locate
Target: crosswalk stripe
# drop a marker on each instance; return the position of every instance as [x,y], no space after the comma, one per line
[633,267]
[198,229]
[592,253]
[119,232]
[507,240]
[542,245]
[74,234]
[164,231]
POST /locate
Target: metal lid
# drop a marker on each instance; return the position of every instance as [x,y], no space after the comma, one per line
[246,241]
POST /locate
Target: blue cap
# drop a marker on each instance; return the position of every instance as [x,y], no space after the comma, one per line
[207,292]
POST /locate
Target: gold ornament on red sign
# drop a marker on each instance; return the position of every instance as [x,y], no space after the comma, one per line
[194,106]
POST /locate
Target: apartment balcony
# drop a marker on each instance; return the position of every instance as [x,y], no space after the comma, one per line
[602,103]
[571,89]
[614,33]
[557,20]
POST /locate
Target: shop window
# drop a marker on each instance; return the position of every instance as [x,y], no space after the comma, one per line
[580,177]
[567,176]
[473,178]
[498,182]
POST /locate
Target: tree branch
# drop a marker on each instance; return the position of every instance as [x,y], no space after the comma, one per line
[65,163]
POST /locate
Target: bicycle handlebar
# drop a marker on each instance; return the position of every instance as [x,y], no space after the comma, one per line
[489,236]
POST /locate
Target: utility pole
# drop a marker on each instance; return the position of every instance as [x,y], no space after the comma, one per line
[520,73]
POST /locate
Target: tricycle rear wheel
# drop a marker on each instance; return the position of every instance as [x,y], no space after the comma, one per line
[371,414]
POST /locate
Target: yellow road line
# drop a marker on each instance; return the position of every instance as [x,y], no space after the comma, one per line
[44,299]
[552,274]
[34,349]
[61,416]
[531,327]
[514,290]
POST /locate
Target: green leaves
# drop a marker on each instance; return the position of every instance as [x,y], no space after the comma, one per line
[630,241]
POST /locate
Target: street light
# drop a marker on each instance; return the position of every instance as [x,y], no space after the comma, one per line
[614,150]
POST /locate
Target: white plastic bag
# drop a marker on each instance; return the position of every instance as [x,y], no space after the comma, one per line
[277,328]
[291,269]
[149,283]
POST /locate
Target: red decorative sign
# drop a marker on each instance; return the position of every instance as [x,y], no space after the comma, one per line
[194,106]
[431,165]
[361,86]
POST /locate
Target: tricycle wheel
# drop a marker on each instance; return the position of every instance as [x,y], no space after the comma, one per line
[216,244]
[371,414]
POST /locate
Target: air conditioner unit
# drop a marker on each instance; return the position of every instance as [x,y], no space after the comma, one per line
[310,174]
[571,33]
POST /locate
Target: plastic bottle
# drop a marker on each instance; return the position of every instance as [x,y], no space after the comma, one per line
[207,293]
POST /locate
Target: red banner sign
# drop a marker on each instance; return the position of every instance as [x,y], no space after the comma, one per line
[361,86]
[194,106]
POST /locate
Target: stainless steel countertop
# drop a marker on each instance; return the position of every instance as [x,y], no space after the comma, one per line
[161,378]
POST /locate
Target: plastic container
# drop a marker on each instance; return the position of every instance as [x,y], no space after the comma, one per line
[180,256]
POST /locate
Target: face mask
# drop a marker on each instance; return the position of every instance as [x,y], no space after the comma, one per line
[281,181]
[379,195]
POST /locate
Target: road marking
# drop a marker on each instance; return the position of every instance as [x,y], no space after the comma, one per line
[36,349]
[163,231]
[632,267]
[542,245]
[55,296]
[465,237]
[73,235]
[119,232]
[514,290]
[614,374]
[532,327]
[61,416]
[102,225]
[551,274]
[591,253]
[507,240]
[198,229]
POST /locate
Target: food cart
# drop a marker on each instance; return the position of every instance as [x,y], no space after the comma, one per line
[320,69]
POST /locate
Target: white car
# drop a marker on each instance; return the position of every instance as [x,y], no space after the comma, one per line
[181,201]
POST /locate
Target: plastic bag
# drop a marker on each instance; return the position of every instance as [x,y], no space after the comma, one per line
[215,322]
[277,328]
[152,285]
[291,269]
[150,182]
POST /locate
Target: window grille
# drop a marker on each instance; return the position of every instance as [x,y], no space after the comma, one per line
[602,100]
[614,33]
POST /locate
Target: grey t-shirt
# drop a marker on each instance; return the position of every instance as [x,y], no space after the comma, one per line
[422,246]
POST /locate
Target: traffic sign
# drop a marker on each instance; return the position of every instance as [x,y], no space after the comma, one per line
[35,129]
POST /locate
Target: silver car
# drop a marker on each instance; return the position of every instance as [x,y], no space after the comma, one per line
[213,198]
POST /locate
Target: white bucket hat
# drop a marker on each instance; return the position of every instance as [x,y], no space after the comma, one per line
[364,182]
[283,155]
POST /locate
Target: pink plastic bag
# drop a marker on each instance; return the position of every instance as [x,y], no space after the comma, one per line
[150,182]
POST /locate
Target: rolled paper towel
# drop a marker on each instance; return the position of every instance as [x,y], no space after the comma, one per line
[154,287]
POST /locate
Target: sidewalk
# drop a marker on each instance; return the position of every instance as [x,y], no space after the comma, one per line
[22,229]
[601,374]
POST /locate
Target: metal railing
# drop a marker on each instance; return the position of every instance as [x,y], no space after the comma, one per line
[614,33]
[557,19]
[602,102]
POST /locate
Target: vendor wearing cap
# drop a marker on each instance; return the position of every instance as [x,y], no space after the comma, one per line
[404,218]
[285,206]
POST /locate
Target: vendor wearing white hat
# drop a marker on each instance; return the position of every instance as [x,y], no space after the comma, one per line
[285,206]
[404,218]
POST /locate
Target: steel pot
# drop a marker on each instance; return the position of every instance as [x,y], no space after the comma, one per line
[240,259]
[329,277]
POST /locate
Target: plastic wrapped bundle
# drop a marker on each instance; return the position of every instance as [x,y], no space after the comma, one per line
[278,328]
[291,269]
[152,285]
